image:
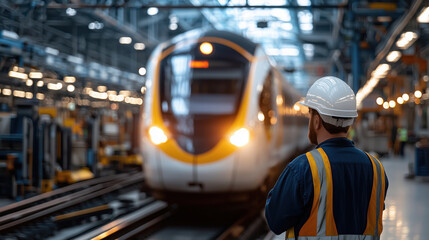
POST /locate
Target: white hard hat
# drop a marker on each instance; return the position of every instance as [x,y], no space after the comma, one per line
[332,98]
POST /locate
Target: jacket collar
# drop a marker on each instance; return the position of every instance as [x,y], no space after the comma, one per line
[336,142]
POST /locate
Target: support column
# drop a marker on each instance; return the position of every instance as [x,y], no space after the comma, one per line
[355,64]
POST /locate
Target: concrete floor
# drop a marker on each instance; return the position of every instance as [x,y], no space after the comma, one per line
[406,216]
[407,204]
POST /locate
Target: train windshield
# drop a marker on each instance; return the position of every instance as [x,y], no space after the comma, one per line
[200,98]
[210,88]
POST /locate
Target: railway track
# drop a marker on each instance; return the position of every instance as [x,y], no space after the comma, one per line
[92,210]
[40,216]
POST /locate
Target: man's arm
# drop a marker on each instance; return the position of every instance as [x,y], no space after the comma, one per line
[285,202]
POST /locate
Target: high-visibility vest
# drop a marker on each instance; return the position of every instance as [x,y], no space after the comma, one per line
[321,223]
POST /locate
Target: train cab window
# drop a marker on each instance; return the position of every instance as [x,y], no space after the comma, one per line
[201,91]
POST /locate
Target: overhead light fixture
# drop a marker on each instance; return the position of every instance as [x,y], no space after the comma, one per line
[19,93]
[261,116]
[308,50]
[406,40]
[98,95]
[139,46]
[289,51]
[400,100]
[96,25]
[36,75]
[418,94]
[152,11]
[381,71]
[385,105]
[52,51]
[174,19]
[424,16]
[71,88]
[125,40]
[124,93]
[392,104]
[70,12]
[134,101]
[29,95]
[101,88]
[116,98]
[306,27]
[303,2]
[296,107]
[7,92]
[18,69]
[40,96]
[9,34]
[29,82]
[142,71]
[74,59]
[406,97]
[379,101]
[384,19]
[19,75]
[55,86]
[393,56]
[69,79]
[173,26]
[40,83]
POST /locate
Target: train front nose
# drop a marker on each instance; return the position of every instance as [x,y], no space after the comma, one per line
[197,178]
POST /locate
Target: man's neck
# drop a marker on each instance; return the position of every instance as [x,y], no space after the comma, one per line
[326,135]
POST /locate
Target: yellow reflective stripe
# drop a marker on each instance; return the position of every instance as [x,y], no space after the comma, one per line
[371,215]
[331,228]
[383,188]
[290,233]
[310,226]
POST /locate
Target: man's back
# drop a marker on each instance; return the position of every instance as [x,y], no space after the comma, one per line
[291,199]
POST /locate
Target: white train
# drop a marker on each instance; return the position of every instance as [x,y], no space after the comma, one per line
[219,121]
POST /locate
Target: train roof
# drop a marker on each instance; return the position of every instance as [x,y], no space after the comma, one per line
[245,43]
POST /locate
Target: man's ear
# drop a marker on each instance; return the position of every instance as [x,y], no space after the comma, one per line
[317,122]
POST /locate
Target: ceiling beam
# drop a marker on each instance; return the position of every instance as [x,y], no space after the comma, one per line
[102,6]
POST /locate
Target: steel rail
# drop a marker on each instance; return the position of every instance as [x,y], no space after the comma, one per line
[44,196]
[75,201]
[126,221]
[42,206]
[131,234]
[238,227]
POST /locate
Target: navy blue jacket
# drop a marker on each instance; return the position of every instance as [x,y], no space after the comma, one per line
[289,202]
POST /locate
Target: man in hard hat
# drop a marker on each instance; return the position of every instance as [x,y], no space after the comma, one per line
[335,191]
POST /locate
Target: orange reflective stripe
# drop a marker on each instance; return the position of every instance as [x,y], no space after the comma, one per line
[310,226]
[371,215]
[383,188]
[331,227]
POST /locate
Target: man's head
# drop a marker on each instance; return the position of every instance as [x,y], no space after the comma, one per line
[317,126]
[332,105]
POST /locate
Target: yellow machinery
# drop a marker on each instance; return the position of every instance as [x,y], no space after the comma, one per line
[69,177]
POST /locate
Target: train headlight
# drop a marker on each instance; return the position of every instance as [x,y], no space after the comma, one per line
[206,48]
[157,136]
[240,137]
